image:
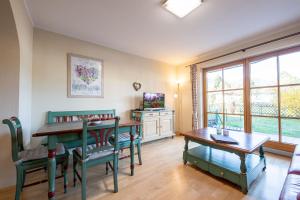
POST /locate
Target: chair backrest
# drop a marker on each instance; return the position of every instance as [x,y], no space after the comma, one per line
[71,116]
[15,128]
[100,131]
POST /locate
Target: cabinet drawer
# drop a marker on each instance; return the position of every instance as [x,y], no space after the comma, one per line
[151,114]
[163,113]
[217,171]
[227,174]
[198,162]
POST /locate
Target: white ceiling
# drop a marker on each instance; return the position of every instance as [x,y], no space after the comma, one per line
[144,28]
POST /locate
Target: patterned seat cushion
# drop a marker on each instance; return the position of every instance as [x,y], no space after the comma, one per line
[39,152]
[124,137]
[97,154]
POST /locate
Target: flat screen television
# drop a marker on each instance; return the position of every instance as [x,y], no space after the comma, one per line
[153,101]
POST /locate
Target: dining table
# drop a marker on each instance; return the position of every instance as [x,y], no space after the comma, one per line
[70,131]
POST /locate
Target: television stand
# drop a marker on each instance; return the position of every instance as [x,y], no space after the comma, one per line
[157,124]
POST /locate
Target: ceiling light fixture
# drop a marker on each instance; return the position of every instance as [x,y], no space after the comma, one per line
[181,8]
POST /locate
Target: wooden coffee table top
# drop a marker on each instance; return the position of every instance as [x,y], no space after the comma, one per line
[248,142]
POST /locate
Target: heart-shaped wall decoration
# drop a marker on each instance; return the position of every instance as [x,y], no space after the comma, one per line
[137,86]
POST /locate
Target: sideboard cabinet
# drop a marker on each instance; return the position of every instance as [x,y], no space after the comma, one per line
[156,124]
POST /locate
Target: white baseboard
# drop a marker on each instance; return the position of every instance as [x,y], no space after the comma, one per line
[279,152]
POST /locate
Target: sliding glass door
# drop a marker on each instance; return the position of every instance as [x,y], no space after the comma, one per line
[289,90]
[233,97]
[259,94]
[264,97]
[225,106]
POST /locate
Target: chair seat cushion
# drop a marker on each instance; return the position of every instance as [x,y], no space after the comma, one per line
[126,136]
[39,152]
[109,150]
[123,137]
[295,166]
[291,189]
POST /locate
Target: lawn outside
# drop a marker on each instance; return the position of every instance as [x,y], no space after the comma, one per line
[264,125]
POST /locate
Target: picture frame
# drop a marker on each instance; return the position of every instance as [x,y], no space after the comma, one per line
[85,76]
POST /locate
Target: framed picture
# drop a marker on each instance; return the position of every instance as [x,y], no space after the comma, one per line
[85,76]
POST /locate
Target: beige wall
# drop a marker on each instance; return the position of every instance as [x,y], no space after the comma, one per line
[183,72]
[120,71]
[25,35]
[9,87]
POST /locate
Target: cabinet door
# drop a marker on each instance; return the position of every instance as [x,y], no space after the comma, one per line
[150,127]
[166,125]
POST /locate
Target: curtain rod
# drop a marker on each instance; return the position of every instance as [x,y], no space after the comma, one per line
[247,48]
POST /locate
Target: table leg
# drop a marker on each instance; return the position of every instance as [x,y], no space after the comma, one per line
[243,169]
[138,132]
[262,156]
[51,167]
[186,148]
[131,151]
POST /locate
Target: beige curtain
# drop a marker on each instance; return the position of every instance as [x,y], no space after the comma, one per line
[195,100]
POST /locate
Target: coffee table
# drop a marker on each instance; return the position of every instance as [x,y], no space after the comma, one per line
[236,163]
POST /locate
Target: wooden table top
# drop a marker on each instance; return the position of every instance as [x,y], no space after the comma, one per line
[248,142]
[75,127]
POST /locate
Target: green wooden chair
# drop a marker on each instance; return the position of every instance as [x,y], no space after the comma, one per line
[125,143]
[31,160]
[100,152]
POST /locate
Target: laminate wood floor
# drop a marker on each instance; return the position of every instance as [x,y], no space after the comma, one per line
[163,177]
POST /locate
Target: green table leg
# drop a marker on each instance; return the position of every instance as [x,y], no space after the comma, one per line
[243,169]
[131,151]
[262,156]
[51,166]
[186,148]
[138,131]
[83,181]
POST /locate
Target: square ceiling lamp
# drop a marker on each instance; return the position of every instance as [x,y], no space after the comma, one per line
[181,8]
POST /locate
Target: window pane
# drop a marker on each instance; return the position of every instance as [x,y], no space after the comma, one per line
[266,126]
[264,72]
[214,80]
[290,101]
[289,68]
[234,122]
[215,120]
[264,102]
[290,130]
[233,77]
[215,102]
[234,102]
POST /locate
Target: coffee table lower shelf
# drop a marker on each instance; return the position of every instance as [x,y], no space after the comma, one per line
[226,165]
